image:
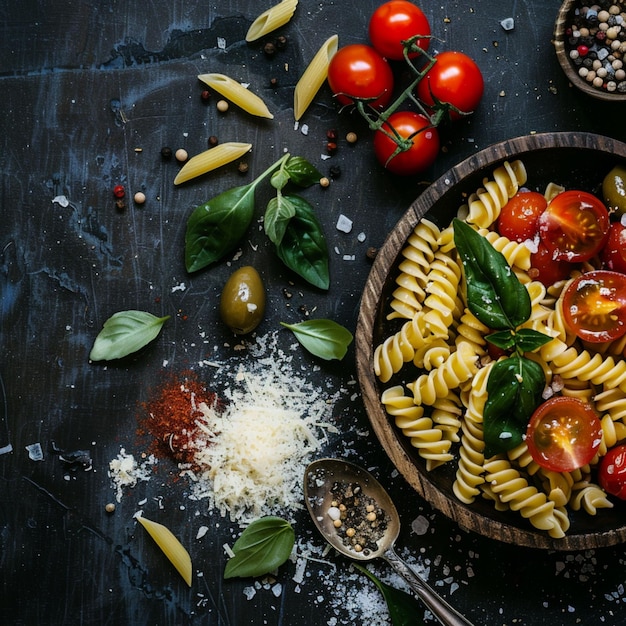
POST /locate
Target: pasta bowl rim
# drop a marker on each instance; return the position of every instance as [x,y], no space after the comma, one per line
[447,186]
[566,65]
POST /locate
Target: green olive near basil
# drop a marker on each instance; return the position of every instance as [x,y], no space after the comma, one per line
[242,303]
[614,189]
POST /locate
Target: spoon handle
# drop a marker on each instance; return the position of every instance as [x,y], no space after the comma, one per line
[447,615]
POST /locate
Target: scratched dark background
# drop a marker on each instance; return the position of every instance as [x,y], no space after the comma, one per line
[83,85]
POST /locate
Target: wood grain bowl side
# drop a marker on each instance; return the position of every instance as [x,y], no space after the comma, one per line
[549,157]
[563,20]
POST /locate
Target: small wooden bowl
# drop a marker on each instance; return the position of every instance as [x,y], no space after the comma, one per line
[574,160]
[563,21]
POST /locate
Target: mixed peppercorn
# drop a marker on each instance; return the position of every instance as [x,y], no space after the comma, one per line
[359,521]
[596,43]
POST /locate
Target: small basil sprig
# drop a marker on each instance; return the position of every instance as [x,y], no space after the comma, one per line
[215,228]
[124,333]
[404,608]
[261,548]
[497,298]
[323,338]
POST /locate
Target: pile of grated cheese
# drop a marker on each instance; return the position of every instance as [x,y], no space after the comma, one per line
[125,472]
[257,449]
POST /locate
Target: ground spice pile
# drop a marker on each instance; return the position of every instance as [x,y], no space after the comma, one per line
[170,417]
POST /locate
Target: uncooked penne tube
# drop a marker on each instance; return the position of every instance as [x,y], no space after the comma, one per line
[171,547]
[237,94]
[211,159]
[270,20]
[313,77]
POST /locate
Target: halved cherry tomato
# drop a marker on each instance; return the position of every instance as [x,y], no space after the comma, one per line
[574,226]
[518,217]
[454,79]
[563,434]
[612,472]
[359,71]
[545,269]
[594,305]
[421,154]
[614,251]
[395,22]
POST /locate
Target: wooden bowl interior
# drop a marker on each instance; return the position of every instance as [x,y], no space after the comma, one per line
[573,160]
[562,22]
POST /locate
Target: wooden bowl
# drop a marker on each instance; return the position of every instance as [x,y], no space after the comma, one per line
[574,160]
[563,21]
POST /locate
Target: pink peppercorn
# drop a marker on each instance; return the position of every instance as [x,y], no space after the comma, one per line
[583,50]
[119,191]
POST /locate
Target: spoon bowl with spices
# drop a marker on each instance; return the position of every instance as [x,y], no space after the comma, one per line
[355,514]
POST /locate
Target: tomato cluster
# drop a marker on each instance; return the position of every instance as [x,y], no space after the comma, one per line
[447,85]
[574,237]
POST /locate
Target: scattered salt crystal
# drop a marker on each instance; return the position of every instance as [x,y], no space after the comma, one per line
[277,589]
[35,453]
[249,592]
[348,257]
[304,129]
[202,531]
[334,513]
[179,287]
[221,43]
[420,525]
[324,157]
[61,200]
[229,551]
[508,23]
[296,124]
[344,224]
[361,237]
[337,250]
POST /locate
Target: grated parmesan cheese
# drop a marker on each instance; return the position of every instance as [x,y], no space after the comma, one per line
[124,471]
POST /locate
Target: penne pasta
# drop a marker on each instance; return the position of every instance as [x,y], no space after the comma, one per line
[313,77]
[211,159]
[270,20]
[171,547]
[237,94]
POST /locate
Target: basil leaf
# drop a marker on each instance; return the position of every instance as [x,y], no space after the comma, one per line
[494,294]
[505,339]
[262,547]
[514,389]
[215,227]
[528,339]
[125,332]
[301,172]
[403,607]
[303,246]
[277,215]
[279,179]
[323,338]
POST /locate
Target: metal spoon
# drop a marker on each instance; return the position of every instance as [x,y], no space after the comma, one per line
[319,479]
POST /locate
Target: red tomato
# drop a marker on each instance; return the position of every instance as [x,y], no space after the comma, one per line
[421,154]
[545,269]
[518,217]
[563,434]
[358,71]
[455,80]
[594,305]
[614,251]
[612,472]
[575,226]
[395,22]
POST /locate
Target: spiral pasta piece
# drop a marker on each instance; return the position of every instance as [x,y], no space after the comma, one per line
[390,356]
[594,368]
[459,367]
[516,254]
[590,497]
[611,401]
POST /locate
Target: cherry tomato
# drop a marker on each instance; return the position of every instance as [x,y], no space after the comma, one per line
[614,251]
[454,79]
[518,217]
[563,434]
[612,472]
[395,22]
[594,305]
[574,226]
[421,154]
[545,269]
[359,71]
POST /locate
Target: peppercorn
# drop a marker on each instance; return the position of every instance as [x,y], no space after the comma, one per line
[110,507]
[140,197]
[371,253]
[181,155]
[205,95]
[242,168]
[120,204]
[324,182]
[269,49]
[335,172]
[351,137]
[273,82]
[331,134]
[281,42]
[213,141]
[331,147]
[222,106]
[166,153]
[119,191]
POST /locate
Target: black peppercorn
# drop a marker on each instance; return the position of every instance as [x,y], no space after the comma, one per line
[335,171]
[205,96]
[166,153]
[269,48]
[281,42]
[213,141]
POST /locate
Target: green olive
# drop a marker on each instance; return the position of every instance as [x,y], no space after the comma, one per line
[614,189]
[242,304]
